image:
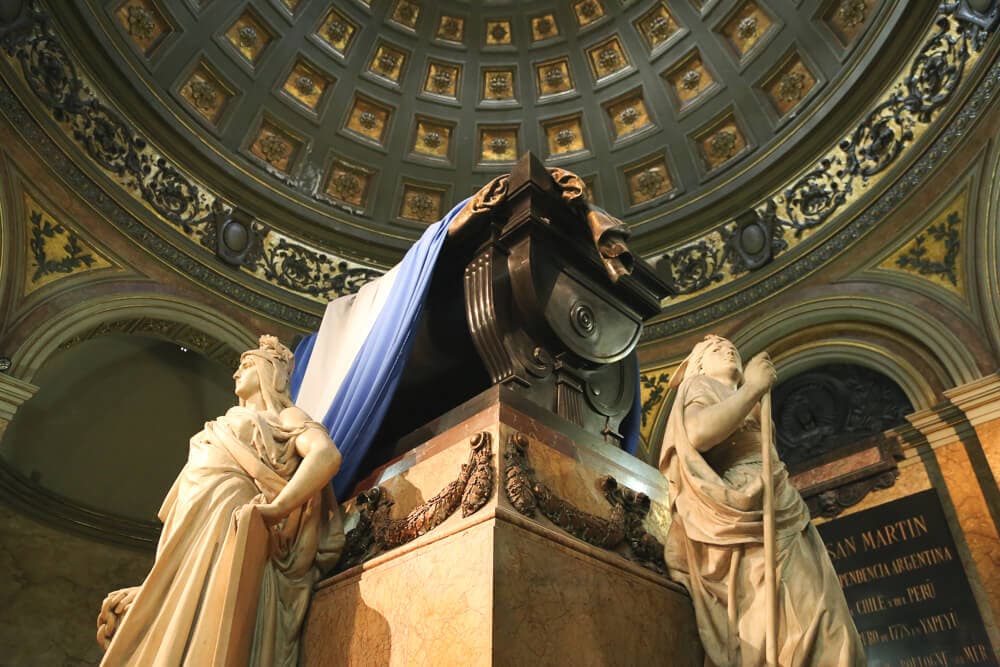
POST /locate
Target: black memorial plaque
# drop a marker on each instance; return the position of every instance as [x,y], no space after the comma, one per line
[905,585]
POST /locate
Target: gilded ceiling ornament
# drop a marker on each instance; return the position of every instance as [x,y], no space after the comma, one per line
[650,182]
[305,84]
[140,22]
[791,86]
[629,115]
[406,12]
[691,79]
[273,148]
[747,28]
[346,185]
[499,83]
[608,57]
[659,28]
[450,27]
[387,62]
[723,144]
[203,94]
[337,30]
[368,120]
[69,258]
[498,32]
[554,75]
[565,137]
[588,9]
[422,205]
[544,25]
[852,12]
[920,260]
[499,145]
[432,139]
[248,36]
[441,79]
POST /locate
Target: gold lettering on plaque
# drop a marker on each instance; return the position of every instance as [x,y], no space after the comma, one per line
[893,533]
[842,549]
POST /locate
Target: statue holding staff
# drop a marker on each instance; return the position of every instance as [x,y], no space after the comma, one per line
[247,527]
[712,457]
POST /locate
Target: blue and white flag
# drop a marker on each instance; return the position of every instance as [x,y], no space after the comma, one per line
[348,371]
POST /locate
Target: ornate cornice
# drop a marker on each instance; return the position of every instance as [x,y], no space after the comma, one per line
[180,219]
[169,197]
[815,255]
[859,161]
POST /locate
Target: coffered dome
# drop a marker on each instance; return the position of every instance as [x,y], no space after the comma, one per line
[356,123]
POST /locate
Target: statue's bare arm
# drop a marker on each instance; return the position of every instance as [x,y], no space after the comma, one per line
[320,462]
[709,425]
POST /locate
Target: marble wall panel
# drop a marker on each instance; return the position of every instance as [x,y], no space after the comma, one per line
[51,591]
[430,606]
[976,523]
[557,606]
[989,435]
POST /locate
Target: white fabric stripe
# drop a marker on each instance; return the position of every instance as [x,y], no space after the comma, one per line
[345,326]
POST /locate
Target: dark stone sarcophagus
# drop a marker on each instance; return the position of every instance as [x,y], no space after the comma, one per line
[537,290]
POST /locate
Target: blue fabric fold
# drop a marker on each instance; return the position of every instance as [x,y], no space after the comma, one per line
[357,411]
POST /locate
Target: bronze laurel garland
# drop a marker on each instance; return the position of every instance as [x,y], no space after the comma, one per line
[376,531]
[624,526]
[119,149]
[874,145]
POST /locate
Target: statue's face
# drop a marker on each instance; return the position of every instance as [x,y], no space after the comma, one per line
[247,378]
[722,361]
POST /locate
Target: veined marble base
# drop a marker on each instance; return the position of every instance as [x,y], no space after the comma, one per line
[498,587]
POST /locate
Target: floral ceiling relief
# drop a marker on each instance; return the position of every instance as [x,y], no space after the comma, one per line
[173,196]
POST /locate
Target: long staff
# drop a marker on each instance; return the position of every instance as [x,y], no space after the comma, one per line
[770,564]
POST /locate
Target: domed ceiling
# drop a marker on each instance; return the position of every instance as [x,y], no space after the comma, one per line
[365,121]
[309,143]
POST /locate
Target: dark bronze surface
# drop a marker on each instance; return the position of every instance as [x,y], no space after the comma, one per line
[623,527]
[535,290]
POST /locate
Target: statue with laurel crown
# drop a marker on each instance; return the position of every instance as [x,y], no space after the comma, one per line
[248,526]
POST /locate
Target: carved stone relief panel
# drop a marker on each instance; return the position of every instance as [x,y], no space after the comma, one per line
[145,23]
[544,27]
[249,37]
[207,93]
[789,84]
[607,57]
[307,85]
[498,144]
[564,136]
[451,28]
[337,31]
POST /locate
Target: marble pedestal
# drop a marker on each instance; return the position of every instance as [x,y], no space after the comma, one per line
[506,584]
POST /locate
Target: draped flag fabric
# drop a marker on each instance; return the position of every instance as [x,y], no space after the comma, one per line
[348,371]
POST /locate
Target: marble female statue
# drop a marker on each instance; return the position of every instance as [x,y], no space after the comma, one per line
[712,459]
[264,459]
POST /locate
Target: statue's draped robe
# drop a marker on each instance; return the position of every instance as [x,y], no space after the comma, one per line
[715,549]
[169,623]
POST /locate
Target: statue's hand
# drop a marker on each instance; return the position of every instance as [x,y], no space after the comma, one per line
[113,609]
[759,375]
[272,513]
